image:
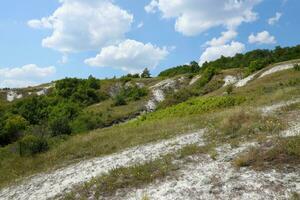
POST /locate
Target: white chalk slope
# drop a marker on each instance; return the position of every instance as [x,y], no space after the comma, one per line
[44,186]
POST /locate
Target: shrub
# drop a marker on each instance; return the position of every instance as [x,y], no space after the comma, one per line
[176,98]
[87,121]
[134,93]
[229,89]
[119,100]
[31,145]
[60,126]
[193,67]
[211,86]
[206,76]
[12,128]
[297,67]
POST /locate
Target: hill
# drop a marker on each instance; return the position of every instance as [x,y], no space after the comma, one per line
[208,131]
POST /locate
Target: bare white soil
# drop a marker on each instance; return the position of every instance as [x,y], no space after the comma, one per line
[271,109]
[294,130]
[158,94]
[195,79]
[277,68]
[243,82]
[228,80]
[11,96]
[48,185]
[206,178]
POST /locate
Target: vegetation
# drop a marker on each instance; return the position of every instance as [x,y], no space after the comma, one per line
[284,152]
[193,67]
[38,132]
[196,106]
[297,67]
[31,145]
[146,73]
[255,60]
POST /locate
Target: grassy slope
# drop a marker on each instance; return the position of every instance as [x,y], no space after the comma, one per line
[106,141]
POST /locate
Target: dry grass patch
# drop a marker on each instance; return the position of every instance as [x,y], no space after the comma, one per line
[242,124]
[284,152]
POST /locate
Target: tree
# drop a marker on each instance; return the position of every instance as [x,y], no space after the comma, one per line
[12,129]
[146,73]
[93,83]
[60,126]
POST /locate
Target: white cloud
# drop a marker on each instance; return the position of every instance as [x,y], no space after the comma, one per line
[140,25]
[226,37]
[24,76]
[263,37]
[196,16]
[228,50]
[151,7]
[130,56]
[275,19]
[80,25]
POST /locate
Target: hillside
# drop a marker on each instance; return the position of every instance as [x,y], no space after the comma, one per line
[219,132]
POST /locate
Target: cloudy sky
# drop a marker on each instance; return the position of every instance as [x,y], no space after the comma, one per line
[46,40]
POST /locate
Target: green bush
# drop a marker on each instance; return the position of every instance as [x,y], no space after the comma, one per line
[31,145]
[297,67]
[206,76]
[229,89]
[119,100]
[134,93]
[11,129]
[87,121]
[193,67]
[211,86]
[176,98]
[60,126]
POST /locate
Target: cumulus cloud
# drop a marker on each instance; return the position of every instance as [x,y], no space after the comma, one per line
[80,25]
[222,46]
[130,56]
[27,75]
[263,37]
[228,50]
[275,19]
[196,16]
[226,37]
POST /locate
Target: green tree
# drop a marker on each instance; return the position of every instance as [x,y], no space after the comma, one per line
[13,127]
[146,73]
[60,126]
[93,83]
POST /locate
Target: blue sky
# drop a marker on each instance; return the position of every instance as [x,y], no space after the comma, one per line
[46,40]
